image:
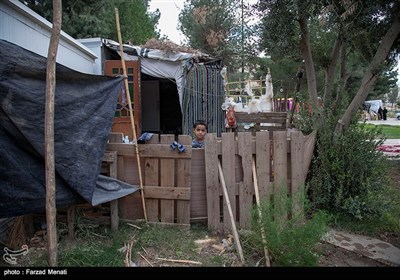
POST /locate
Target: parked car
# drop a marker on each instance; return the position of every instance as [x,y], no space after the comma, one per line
[398,115]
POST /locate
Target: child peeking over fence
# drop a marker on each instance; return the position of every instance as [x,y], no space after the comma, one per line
[199,130]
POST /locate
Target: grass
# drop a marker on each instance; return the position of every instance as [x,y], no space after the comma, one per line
[97,246]
[389,222]
[388,131]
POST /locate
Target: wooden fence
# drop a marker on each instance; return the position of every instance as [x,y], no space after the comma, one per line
[282,160]
[180,187]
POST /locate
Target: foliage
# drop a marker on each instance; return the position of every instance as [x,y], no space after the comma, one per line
[216,27]
[349,176]
[96,18]
[388,222]
[393,95]
[355,29]
[290,242]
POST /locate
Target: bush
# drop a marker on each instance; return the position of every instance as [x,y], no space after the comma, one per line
[290,242]
[349,176]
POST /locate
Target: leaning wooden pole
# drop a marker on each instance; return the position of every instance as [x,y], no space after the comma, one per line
[51,209]
[264,239]
[228,204]
[130,111]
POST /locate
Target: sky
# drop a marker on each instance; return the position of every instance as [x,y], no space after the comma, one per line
[168,22]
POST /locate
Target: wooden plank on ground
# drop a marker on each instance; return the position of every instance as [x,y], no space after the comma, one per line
[246,193]
[212,182]
[297,162]
[228,168]
[263,164]
[151,178]
[167,173]
[184,181]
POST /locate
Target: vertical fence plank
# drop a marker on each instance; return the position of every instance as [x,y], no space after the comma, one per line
[263,164]
[167,173]
[212,182]
[297,162]
[198,192]
[184,180]
[280,173]
[151,178]
[246,193]
[228,168]
[280,159]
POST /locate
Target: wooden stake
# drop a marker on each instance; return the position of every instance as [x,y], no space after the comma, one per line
[130,112]
[264,240]
[228,204]
[51,209]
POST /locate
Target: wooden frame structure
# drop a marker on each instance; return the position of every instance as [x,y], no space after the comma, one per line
[180,187]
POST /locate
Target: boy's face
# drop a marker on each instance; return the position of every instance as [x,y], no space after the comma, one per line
[200,131]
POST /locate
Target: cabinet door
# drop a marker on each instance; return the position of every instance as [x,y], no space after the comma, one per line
[150,106]
[122,122]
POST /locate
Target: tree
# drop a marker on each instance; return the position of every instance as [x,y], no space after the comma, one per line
[218,28]
[393,95]
[346,46]
[332,35]
[95,18]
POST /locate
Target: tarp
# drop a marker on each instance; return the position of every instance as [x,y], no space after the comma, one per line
[84,110]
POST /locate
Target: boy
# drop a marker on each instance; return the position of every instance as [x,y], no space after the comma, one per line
[199,130]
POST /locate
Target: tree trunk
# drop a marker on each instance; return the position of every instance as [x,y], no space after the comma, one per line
[308,60]
[330,73]
[370,76]
[343,78]
[49,135]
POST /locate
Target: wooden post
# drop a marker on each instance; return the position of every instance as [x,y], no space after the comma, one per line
[49,135]
[114,203]
[228,204]
[130,111]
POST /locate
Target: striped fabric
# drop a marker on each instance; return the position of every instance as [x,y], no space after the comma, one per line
[203,96]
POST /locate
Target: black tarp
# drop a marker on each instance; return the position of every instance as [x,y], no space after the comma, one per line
[84,109]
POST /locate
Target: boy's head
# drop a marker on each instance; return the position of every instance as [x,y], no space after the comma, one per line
[200,129]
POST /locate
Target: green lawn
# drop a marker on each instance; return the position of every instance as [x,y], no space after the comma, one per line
[389,131]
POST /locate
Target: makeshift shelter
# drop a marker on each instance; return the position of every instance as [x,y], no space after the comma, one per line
[189,87]
[373,105]
[84,109]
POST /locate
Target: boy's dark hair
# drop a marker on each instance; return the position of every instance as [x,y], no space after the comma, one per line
[200,122]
